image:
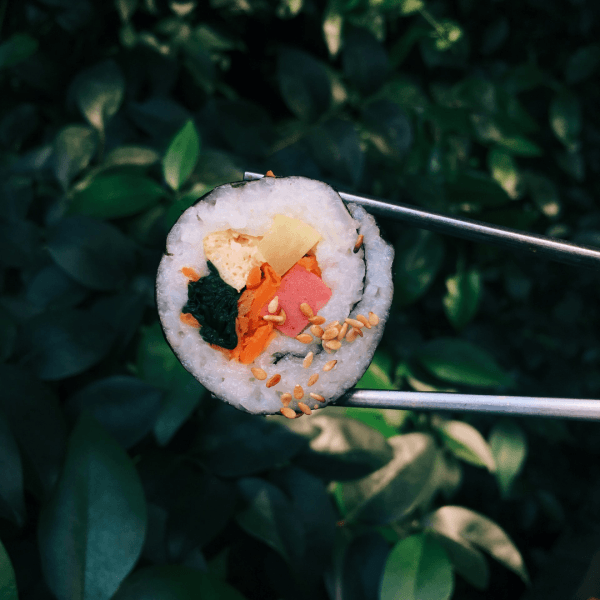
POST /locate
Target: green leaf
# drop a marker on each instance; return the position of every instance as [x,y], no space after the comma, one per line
[509,447]
[63,343]
[390,128]
[269,517]
[126,8]
[37,423]
[504,170]
[582,63]
[92,530]
[17,48]
[332,28]
[340,448]
[377,376]
[12,501]
[466,442]
[74,147]
[182,156]
[396,489]
[411,6]
[467,561]
[139,156]
[462,524]
[115,196]
[304,84]
[158,365]
[475,188]
[8,582]
[377,418]
[174,582]
[417,569]
[544,193]
[460,362]
[95,254]
[125,406]
[99,92]
[419,256]
[519,145]
[565,117]
[462,297]
[364,61]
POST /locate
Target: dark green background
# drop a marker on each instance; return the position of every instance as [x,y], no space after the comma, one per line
[119,475]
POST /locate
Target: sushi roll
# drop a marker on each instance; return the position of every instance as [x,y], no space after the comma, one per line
[274,294]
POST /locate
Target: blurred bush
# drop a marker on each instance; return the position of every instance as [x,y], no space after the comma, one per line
[120,476]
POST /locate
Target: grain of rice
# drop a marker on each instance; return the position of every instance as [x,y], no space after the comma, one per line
[317,397]
[305,338]
[258,373]
[373,318]
[288,412]
[274,380]
[329,365]
[304,408]
[307,360]
[298,392]
[273,305]
[313,379]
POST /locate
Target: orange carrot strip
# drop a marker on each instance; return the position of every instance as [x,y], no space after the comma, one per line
[255,344]
[254,278]
[310,264]
[190,273]
[269,174]
[188,319]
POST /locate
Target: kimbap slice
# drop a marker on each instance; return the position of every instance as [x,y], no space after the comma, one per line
[274,294]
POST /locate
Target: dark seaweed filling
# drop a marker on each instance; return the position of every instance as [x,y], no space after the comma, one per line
[214,304]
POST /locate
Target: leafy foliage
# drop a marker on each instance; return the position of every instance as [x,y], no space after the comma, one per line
[121,476]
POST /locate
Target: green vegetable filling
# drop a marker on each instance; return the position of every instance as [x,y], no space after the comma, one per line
[214,304]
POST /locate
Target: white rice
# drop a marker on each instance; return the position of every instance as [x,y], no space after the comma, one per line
[249,208]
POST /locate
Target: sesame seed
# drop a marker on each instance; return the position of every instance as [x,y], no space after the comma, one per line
[330,333]
[342,333]
[358,331]
[317,397]
[329,365]
[307,360]
[273,305]
[304,408]
[282,315]
[354,323]
[306,310]
[373,318]
[298,392]
[352,335]
[288,412]
[317,320]
[274,380]
[325,347]
[258,373]
[315,407]
[274,318]
[364,321]
[305,338]
[313,379]
[286,399]
[316,330]
[332,324]
[359,242]
[333,344]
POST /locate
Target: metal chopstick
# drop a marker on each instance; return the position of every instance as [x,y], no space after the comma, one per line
[570,408]
[477,231]
[558,250]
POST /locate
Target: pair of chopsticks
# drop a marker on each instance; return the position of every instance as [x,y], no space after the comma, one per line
[542,246]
